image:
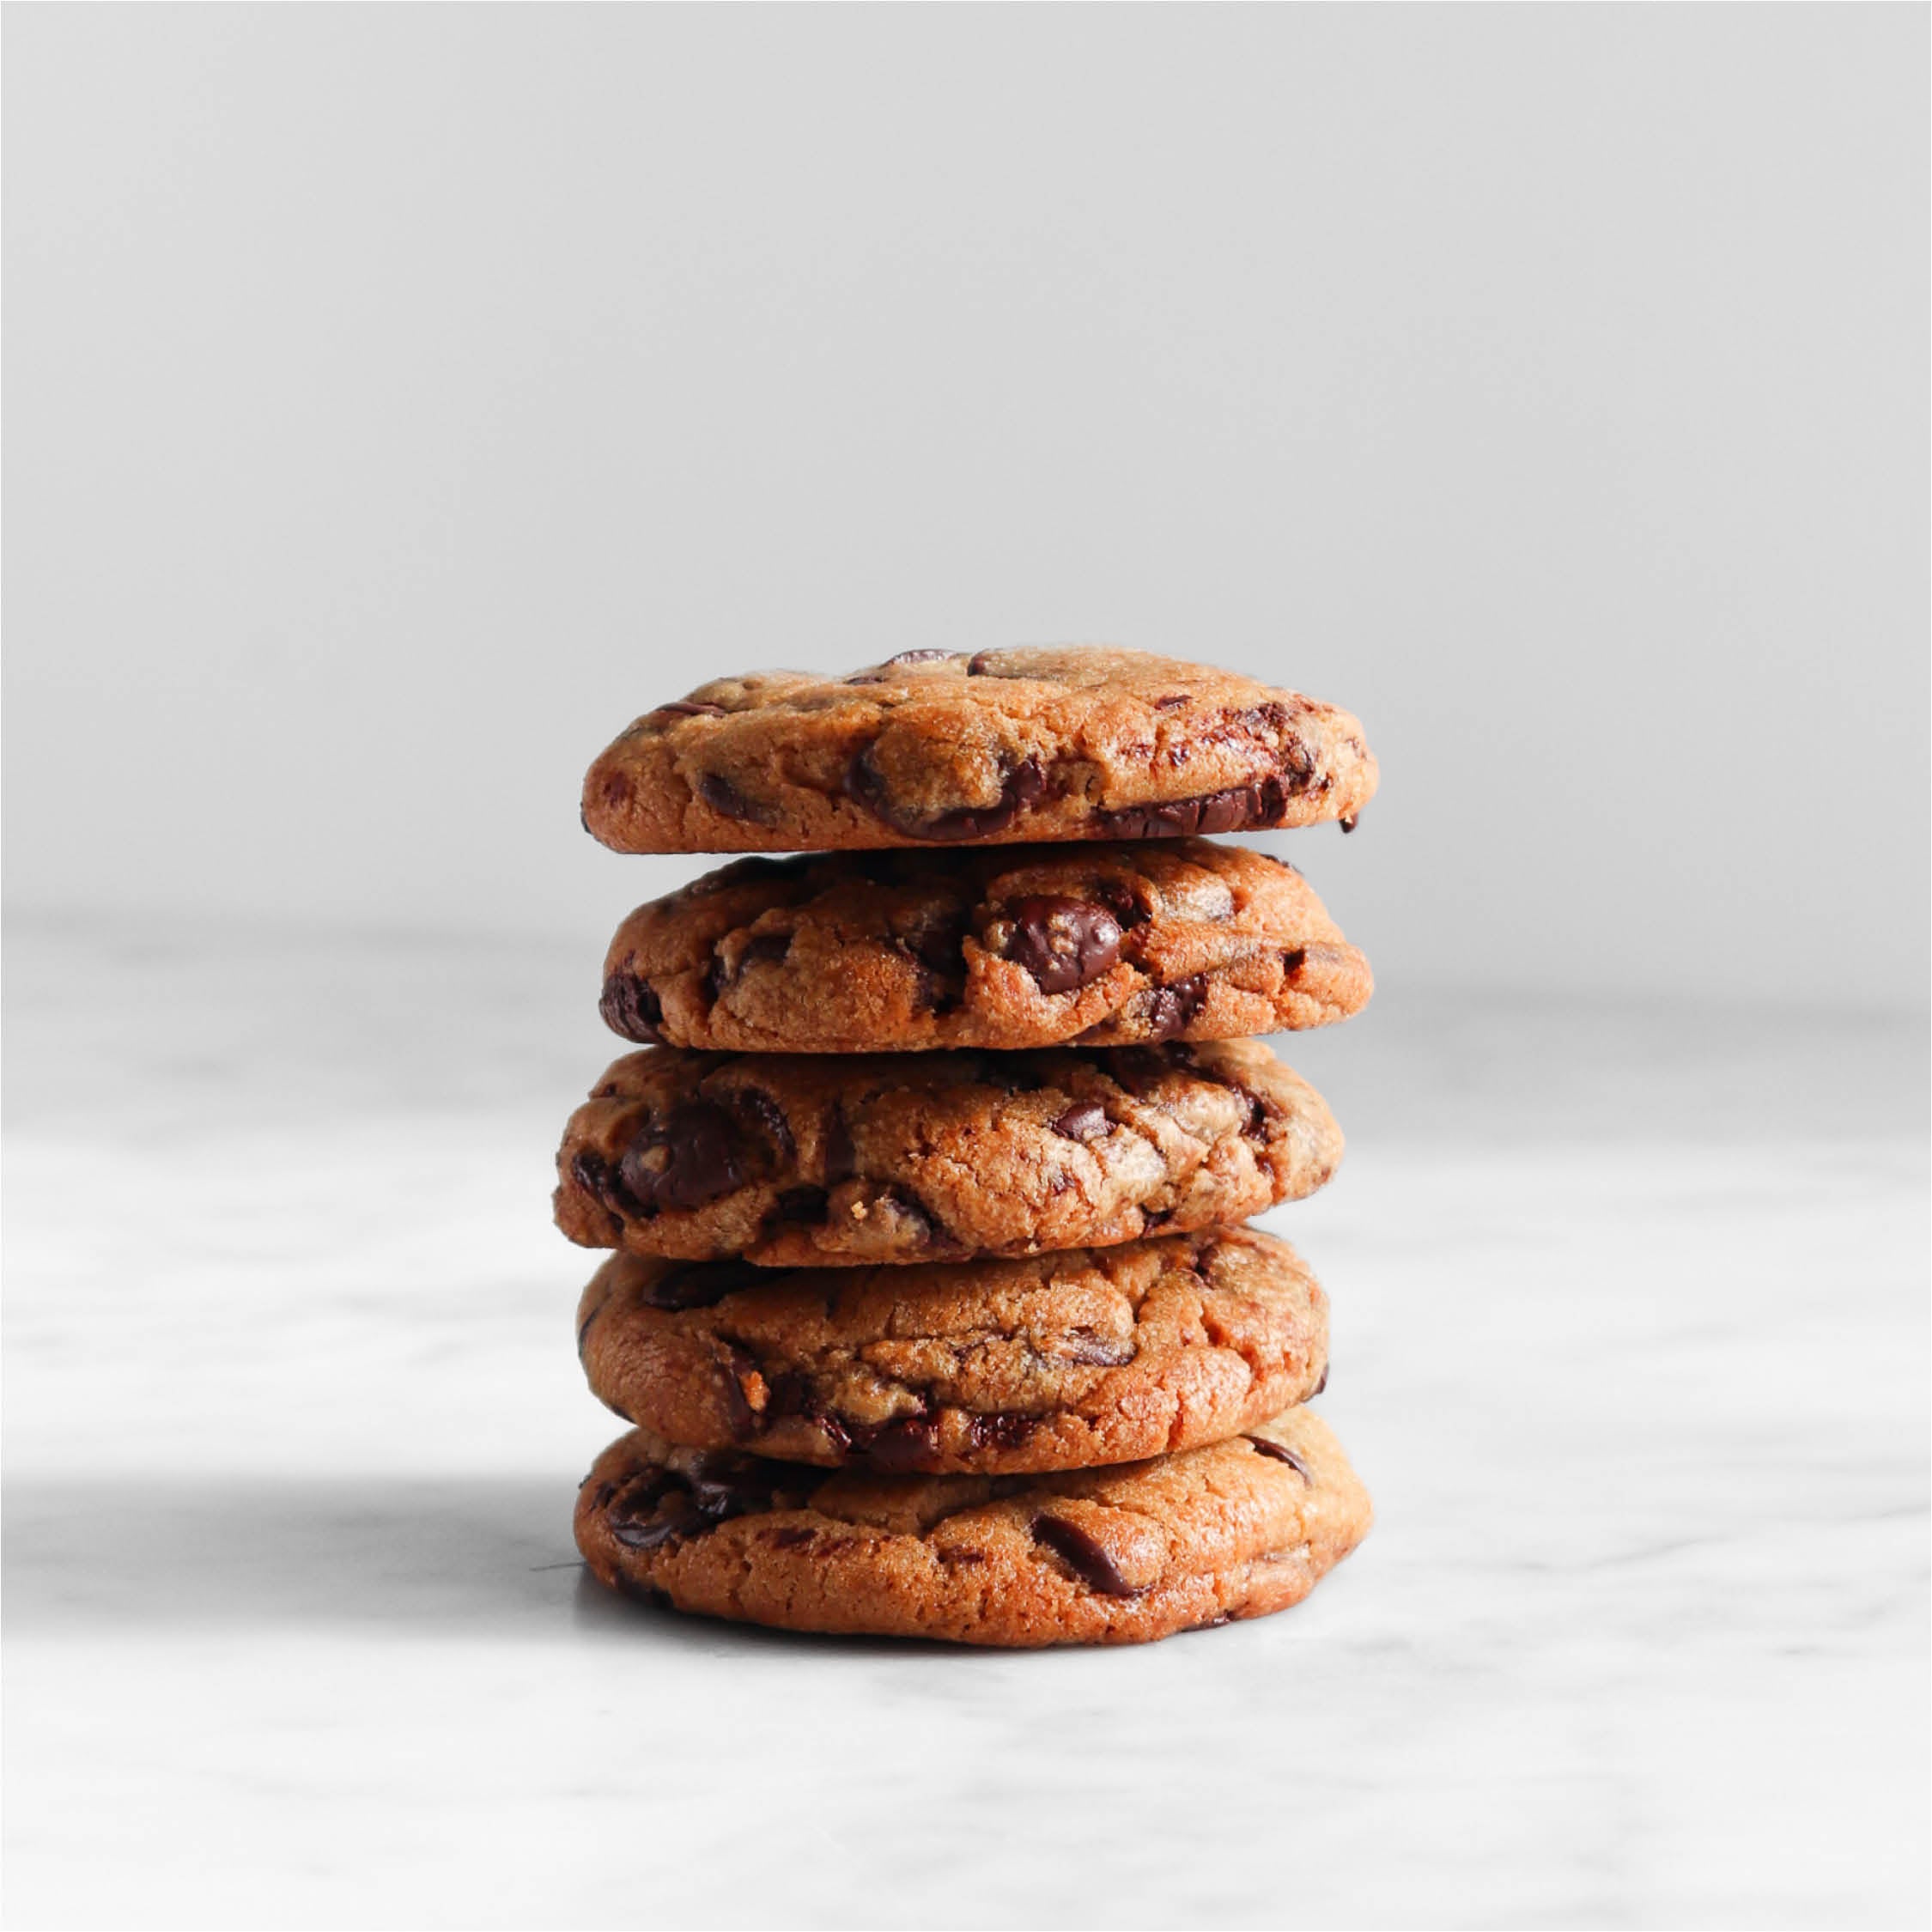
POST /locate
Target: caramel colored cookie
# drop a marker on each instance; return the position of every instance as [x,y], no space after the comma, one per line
[1099,1556]
[1094,1356]
[996,747]
[1102,945]
[796,1159]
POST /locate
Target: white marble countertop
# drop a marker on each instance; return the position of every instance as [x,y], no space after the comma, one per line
[1630,1327]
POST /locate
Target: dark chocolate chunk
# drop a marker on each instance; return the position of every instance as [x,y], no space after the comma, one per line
[790,1537]
[1062,943]
[683,707]
[1349,823]
[722,796]
[1120,899]
[630,1007]
[1237,808]
[1169,702]
[1173,1008]
[602,1181]
[756,1105]
[693,1155]
[875,674]
[1323,1384]
[900,1446]
[1085,1122]
[1082,1555]
[938,945]
[652,1508]
[1093,1350]
[1284,1455]
[1004,1429]
[1292,960]
[801,1204]
[705,1283]
[1023,784]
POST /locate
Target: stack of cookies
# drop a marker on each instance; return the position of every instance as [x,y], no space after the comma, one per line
[930,1306]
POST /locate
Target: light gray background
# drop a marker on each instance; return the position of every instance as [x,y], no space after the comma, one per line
[401,400]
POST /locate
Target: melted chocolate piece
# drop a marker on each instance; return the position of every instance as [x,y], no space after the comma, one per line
[875,674]
[1093,1350]
[683,707]
[1082,1555]
[1084,1122]
[939,945]
[1238,808]
[695,1154]
[800,1205]
[1024,783]
[755,1104]
[1173,1008]
[725,798]
[602,1181]
[705,1283]
[1063,943]
[630,1007]
[898,1447]
[659,1505]
[652,1508]
[1169,702]
[1293,960]
[1120,899]
[1283,1454]
[1004,1429]
[792,1536]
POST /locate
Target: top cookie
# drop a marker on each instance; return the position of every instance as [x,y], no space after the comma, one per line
[1002,747]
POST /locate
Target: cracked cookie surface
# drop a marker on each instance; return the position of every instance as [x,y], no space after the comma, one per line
[1121,1555]
[1003,746]
[1060,1361]
[1101,945]
[804,1159]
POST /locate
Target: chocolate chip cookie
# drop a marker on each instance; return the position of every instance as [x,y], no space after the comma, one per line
[796,1159]
[1104,945]
[1121,1555]
[1096,1355]
[996,747]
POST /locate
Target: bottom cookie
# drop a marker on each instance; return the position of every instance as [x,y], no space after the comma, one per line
[1118,1555]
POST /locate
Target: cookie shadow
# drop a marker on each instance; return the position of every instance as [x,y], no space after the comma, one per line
[440,1555]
